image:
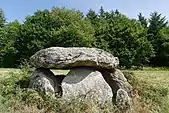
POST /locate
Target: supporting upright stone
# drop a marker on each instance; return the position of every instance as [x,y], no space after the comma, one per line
[45,82]
[86,83]
[116,81]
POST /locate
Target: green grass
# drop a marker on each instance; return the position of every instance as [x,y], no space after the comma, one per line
[6,71]
[152,85]
[155,78]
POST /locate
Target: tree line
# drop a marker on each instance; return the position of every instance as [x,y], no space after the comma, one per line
[137,42]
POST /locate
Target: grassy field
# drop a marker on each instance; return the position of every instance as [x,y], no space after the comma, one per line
[156,84]
[154,76]
[152,85]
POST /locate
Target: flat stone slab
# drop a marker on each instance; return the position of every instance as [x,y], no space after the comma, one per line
[67,58]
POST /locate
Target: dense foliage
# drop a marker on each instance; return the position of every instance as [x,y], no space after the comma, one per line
[136,42]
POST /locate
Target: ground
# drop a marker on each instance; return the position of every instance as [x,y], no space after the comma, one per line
[154,82]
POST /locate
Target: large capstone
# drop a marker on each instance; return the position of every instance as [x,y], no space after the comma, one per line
[67,58]
[86,83]
[45,82]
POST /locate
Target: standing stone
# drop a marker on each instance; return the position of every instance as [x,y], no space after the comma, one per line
[45,82]
[116,81]
[86,83]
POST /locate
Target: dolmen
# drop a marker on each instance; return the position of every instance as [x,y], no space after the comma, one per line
[93,74]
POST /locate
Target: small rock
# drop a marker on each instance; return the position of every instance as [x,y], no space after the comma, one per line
[122,99]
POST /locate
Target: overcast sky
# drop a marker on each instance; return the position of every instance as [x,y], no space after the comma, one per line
[19,9]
